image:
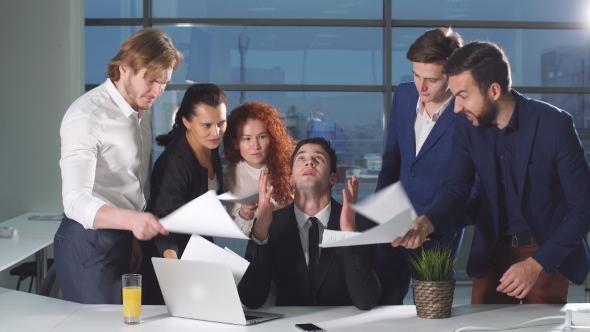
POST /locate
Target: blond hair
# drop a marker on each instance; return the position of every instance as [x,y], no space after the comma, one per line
[148,48]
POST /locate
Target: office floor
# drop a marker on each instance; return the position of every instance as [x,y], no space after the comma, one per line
[577,294]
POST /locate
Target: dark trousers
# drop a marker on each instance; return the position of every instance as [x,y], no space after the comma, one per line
[89,263]
[549,288]
[396,271]
[150,292]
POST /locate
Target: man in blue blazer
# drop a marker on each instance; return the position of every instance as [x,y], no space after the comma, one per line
[536,178]
[418,150]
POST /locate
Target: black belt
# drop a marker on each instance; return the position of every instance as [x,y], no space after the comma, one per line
[517,241]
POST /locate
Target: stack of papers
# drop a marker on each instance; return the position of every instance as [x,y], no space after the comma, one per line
[390,208]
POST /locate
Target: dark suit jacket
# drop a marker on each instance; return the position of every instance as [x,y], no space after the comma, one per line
[422,175]
[553,183]
[178,178]
[346,275]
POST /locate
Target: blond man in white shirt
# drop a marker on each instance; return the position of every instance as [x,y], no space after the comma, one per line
[105,153]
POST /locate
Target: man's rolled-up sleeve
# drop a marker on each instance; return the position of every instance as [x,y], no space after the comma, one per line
[80,141]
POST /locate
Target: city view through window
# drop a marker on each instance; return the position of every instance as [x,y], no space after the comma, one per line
[331,67]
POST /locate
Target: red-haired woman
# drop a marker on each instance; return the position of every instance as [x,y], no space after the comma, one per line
[256,140]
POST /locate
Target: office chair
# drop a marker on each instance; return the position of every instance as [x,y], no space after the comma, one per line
[49,285]
[26,270]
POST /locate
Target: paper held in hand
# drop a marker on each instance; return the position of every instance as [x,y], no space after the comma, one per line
[203,215]
[390,208]
[200,249]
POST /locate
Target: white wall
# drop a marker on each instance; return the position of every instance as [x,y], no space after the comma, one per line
[41,73]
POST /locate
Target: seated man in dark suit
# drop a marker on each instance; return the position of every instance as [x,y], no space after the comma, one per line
[284,243]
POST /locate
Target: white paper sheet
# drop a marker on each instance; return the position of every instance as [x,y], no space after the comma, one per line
[390,208]
[249,198]
[385,204]
[200,249]
[331,236]
[203,215]
[387,232]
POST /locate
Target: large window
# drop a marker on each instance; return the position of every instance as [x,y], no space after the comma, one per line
[331,66]
[302,9]
[538,57]
[497,11]
[322,65]
[279,55]
[352,121]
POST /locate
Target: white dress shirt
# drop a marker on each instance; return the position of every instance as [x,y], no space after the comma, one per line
[105,154]
[303,224]
[242,179]
[424,122]
[213,184]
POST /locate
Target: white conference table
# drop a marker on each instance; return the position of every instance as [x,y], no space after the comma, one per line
[34,236]
[22,311]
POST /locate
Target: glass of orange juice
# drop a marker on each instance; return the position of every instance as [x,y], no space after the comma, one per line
[132,298]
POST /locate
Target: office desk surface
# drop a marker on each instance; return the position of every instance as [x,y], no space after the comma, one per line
[28,312]
[33,235]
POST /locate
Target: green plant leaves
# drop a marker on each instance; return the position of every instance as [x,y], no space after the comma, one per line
[435,264]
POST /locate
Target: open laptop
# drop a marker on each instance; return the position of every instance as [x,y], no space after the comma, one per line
[204,291]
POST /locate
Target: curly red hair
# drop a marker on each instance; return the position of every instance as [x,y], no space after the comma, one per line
[280,149]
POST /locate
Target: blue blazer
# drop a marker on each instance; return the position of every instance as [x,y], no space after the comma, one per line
[422,175]
[553,184]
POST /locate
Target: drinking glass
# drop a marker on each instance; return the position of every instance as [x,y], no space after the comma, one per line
[132,298]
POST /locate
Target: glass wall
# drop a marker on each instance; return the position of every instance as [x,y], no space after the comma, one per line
[353,122]
[538,57]
[331,66]
[279,55]
[498,10]
[102,44]
[113,8]
[256,9]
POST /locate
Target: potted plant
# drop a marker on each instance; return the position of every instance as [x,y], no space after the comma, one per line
[433,292]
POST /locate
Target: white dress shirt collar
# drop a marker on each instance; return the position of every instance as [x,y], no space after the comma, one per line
[323,216]
[424,123]
[421,110]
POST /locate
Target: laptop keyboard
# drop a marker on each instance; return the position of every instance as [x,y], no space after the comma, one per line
[250,317]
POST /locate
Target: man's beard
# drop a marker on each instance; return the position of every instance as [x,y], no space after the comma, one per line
[312,188]
[134,96]
[489,114]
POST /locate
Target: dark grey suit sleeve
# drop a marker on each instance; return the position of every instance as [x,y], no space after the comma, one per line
[255,284]
[173,179]
[360,266]
[361,280]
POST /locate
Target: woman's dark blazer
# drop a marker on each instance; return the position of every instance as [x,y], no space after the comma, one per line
[178,178]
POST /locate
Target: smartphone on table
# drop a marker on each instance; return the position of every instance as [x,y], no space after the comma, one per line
[308,327]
